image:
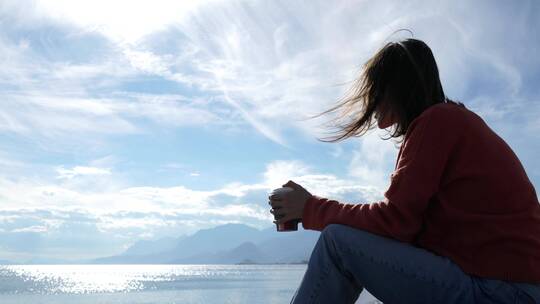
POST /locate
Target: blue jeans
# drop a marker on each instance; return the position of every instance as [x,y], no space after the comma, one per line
[346,260]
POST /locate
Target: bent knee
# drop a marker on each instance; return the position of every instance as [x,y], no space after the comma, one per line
[341,231]
[333,229]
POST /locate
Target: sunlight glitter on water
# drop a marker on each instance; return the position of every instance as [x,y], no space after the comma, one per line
[81,279]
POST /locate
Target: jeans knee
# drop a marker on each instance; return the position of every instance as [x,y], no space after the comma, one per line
[333,229]
[344,234]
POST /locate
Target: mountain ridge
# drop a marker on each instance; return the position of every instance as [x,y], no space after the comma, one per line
[224,244]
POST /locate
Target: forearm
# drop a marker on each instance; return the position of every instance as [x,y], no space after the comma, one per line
[382,218]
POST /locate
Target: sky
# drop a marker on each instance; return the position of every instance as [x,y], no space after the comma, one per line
[129,120]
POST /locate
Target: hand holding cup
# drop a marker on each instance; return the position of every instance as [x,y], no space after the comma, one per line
[288,204]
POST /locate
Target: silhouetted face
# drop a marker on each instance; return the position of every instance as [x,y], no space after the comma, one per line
[384,117]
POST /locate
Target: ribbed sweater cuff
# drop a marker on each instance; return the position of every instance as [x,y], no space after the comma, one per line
[308,216]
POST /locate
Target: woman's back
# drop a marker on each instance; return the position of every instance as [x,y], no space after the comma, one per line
[486,214]
[459,191]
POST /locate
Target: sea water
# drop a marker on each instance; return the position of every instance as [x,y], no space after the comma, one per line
[138,284]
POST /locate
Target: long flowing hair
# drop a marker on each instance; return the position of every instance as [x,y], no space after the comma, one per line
[405,74]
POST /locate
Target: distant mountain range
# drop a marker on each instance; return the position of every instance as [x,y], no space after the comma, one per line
[225,244]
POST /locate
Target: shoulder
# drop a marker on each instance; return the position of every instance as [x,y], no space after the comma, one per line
[446,111]
[443,113]
[443,118]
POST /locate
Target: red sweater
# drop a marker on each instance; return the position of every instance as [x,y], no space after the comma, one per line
[459,191]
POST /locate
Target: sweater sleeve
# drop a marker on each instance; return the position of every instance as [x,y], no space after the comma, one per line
[422,159]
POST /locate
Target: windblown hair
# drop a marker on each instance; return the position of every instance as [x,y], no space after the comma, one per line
[407,73]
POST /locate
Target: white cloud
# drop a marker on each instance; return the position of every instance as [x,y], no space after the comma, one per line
[266,64]
[147,62]
[81,171]
[352,190]
[37,229]
[105,161]
[373,160]
[121,20]
[273,68]
[115,223]
[73,110]
[173,110]
[279,172]
[59,116]
[7,162]
[227,201]
[61,213]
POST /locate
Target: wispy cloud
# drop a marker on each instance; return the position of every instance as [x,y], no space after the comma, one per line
[269,58]
[81,170]
[87,88]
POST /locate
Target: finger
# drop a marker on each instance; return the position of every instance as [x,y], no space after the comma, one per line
[279,212]
[282,216]
[282,219]
[278,217]
[289,184]
[276,204]
[275,197]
